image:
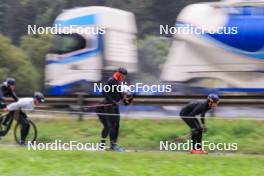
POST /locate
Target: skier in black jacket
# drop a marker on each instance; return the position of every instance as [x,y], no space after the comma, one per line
[188,114]
[108,110]
[7,89]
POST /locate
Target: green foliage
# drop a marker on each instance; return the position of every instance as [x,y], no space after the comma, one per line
[152,53]
[16,63]
[36,49]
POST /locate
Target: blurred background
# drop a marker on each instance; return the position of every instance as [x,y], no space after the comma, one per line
[68,65]
[193,64]
[24,56]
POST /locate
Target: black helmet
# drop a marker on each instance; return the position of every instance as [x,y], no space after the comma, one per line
[11,81]
[122,70]
[39,96]
[213,98]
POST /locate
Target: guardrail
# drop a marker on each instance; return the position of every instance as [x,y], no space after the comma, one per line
[80,100]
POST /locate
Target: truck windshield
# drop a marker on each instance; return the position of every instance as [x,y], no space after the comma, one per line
[65,43]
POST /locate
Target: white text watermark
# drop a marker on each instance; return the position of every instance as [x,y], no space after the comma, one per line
[58,29]
[188,145]
[71,145]
[189,29]
[133,88]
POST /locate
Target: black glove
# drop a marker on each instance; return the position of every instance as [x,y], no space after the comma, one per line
[115,103]
[128,100]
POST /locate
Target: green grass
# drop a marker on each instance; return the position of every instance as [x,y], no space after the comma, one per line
[141,135]
[146,134]
[21,162]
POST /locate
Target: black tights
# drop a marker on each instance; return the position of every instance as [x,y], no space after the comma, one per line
[23,121]
[197,131]
[110,117]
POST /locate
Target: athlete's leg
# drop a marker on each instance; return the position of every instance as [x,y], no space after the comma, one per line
[24,126]
[198,133]
[112,132]
[103,120]
[196,128]
[8,124]
[117,123]
[8,117]
[113,124]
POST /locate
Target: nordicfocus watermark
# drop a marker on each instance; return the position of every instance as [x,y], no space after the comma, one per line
[71,145]
[138,87]
[189,29]
[58,29]
[205,145]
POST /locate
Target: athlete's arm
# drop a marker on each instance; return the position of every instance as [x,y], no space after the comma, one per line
[2,97]
[203,121]
[202,118]
[14,96]
[4,110]
[127,100]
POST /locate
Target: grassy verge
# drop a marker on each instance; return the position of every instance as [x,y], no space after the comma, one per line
[146,134]
[20,161]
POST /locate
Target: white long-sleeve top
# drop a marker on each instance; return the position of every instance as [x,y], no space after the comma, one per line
[22,104]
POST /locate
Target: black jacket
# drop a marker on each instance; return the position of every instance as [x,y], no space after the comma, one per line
[195,108]
[6,91]
[113,95]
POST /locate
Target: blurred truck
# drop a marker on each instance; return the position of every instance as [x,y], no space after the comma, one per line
[93,43]
[227,57]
